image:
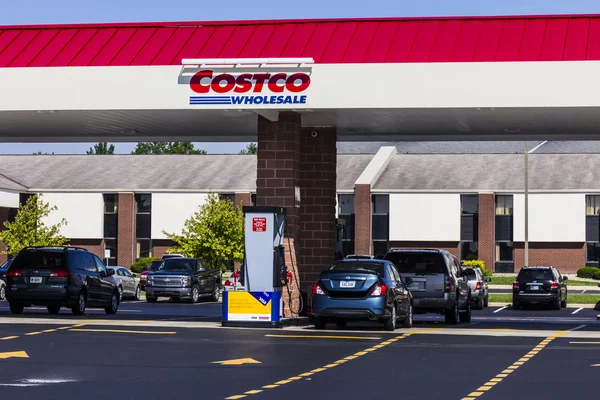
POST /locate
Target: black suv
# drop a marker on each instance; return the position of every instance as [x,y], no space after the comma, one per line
[540,285]
[57,277]
[436,281]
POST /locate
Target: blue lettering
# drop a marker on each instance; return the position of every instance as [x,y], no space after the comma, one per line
[273,100]
[279,99]
[237,99]
[288,100]
[248,100]
[302,99]
[257,98]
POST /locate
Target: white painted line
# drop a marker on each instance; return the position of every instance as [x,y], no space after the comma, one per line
[578,327]
[500,309]
[583,291]
[576,311]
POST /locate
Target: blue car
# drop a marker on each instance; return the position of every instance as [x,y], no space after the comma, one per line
[359,289]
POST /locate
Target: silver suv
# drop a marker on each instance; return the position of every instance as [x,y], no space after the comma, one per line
[436,281]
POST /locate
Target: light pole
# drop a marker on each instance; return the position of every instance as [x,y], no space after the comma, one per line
[526,203]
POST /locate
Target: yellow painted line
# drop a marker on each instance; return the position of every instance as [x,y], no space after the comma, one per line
[387,342]
[507,371]
[295,378]
[318,370]
[483,388]
[499,376]
[306,374]
[9,338]
[283,382]
[378,346]
[584,342]
[331,365]
[340,361]
[468,398]
[270,386]
[121,331]
[490,384]
[497,379]
[32,333]
[49,330]
[240,396]
[253,391]
[350,357]
[324,337]
[360,353]
[423,331]
[519,363]
[476,394]
[370,349]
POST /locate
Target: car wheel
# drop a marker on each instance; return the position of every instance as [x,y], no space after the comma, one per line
[390,323]
[320,323]
[557,304]
[341,323]
[564,302]
[138,293]
[408,321]
[151,299]
[486,302]
[215,293]
[114,304]
[120,293]
[465,316]
[54,309]
[479,305]
[452,315]
[195,295]
[16,308]
[79,308]
[2,292]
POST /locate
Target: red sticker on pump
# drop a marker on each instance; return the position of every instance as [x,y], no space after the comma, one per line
[259,224]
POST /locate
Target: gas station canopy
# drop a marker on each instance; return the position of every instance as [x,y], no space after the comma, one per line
[371,79]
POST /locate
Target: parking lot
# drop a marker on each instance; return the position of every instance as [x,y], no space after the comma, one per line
[168,350]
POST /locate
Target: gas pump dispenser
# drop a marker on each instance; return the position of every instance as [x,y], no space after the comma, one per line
[264,271]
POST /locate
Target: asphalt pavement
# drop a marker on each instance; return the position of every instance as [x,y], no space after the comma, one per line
[168,350]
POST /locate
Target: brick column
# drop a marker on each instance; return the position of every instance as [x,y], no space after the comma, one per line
[3,218]
[487,229]
[363,217]
[318,197]
[278,174]
[126,230]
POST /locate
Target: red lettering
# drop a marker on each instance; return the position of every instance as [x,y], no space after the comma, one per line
[243,83]
[273,86]
[216,83]
[197,78]
[260,81]
[291,83]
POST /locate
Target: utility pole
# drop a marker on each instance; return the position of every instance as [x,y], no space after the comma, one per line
[526,203]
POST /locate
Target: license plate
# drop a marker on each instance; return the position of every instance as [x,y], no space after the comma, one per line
[35,279]
[347,284]
[534,287]
[416,285]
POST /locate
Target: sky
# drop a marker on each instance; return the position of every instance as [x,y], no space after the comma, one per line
[24,12]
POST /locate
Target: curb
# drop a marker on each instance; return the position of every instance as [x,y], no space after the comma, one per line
[500,304]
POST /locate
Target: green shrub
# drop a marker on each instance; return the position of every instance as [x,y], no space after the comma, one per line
[138,266]
[481,265]
[588,272]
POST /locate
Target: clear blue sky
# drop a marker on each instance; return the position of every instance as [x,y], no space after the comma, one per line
[17,12]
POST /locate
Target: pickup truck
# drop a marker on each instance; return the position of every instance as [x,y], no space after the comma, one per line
[183,278]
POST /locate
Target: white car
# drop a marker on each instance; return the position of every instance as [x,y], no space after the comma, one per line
[126,282]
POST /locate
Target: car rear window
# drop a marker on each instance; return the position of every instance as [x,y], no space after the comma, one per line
[349,266]
[178,264]
[471,274]
[415,263]
[535,275]
[39,260]
[153,266]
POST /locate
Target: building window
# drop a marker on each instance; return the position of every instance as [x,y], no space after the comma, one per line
[346,233]
[253,199]
[111,221]
[143,225]
[592,221]
[380,223]
[227,196]
[592,205]
[593,254]
[504,204]
[469,226]
[469,250]
[505,252]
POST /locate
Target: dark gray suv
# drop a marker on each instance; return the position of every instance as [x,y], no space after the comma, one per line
[436,281]
[60,277]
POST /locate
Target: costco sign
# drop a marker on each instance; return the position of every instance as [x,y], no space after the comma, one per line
[249,88]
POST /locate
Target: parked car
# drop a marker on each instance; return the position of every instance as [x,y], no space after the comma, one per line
[60,277]
[436,281]
[126,283]
[3,269]
[356,289]
[479,287]
[153,266]
[183,278]
[540,285]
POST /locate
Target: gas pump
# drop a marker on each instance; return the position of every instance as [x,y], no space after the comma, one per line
[264,272]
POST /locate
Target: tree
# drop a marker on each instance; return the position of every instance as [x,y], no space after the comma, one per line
[39,153]
[166,148]
[215,233]
[102,148]
[29,229]
[250,149]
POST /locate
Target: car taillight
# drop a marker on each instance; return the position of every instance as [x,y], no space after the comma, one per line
[60,273]
[554,285]
[515,285]
[14,272]
[478,286]
[447,284]
[317,290]
[380,290]
[228,283]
